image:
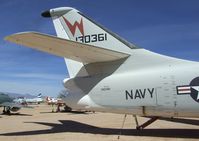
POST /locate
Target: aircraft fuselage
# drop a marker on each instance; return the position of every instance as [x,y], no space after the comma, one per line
[167,89]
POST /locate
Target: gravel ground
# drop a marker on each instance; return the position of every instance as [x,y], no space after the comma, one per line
[40,124]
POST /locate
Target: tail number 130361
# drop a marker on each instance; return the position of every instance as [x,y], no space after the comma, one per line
[92,38]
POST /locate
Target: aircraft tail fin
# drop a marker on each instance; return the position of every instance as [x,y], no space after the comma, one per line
[80,40]
[70,24]
[39,95]
[80,28]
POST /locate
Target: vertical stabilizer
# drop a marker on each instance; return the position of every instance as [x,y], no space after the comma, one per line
[72,66]
[71,24]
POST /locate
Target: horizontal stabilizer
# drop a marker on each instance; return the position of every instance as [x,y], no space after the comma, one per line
[65,48]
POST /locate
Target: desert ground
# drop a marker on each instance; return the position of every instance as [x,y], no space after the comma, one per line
[40,123]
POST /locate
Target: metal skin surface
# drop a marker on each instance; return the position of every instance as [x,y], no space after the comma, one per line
[144,83]
[107,92]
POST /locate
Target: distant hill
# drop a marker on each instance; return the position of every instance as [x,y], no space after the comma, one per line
[16,95]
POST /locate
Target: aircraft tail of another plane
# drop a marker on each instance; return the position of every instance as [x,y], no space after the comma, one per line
[39,95]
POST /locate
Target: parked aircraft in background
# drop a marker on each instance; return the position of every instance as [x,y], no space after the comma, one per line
[109,74]
[8,104]
[58,102]
[20,100]
[36,100]
[51,100]
[25,101]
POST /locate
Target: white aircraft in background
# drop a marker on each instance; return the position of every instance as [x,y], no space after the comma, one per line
[110,74]
[20,100]
[36,100]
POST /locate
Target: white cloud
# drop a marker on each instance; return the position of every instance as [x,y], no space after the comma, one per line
[34,89]
[32,83]
[38,76]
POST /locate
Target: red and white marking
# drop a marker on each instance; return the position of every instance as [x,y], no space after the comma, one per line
[184,90]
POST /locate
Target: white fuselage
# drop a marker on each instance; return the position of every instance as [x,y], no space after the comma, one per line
[34,100]
[142,89]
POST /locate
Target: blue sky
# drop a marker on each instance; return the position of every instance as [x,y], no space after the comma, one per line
[169,27]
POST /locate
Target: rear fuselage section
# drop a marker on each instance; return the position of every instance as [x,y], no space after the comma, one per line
[153,85]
